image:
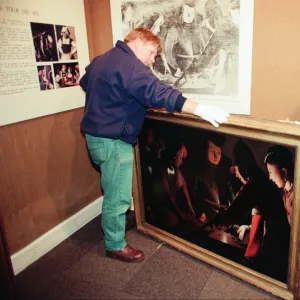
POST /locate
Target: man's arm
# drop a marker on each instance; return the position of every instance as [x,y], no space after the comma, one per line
[84,81]
[85,78]
[189,106]
[153,93]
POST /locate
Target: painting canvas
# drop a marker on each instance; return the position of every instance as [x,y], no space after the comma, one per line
[226,196]
[207,46]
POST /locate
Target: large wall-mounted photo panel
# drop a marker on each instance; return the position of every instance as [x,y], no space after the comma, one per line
[228,196]
[43,48]
[207,46]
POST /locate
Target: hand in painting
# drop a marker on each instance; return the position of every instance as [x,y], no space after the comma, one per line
[242,231]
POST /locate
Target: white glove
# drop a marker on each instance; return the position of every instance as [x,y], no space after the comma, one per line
[242,231]
[212,114]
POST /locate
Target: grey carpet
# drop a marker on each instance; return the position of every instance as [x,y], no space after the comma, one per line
[79,269]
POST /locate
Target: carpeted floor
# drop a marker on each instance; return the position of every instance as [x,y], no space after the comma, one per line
[79,269]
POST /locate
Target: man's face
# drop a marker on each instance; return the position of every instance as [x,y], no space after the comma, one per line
[146,52]
[214,153]
[188,14]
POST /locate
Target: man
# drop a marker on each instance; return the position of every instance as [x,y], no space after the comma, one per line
[119,86]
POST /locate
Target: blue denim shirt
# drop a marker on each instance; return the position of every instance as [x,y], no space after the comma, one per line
[119,88]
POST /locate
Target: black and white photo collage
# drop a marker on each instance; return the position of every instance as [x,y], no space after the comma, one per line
[56,55]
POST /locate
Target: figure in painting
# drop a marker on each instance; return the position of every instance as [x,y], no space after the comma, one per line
[211,191]
[259,204]
[280,165]
[66,45]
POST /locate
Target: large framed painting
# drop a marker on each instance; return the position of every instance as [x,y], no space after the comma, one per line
[207,46]
[228,196]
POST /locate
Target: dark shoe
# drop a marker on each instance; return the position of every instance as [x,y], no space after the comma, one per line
[127,254]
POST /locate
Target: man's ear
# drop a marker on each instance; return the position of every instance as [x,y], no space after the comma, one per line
[138,44]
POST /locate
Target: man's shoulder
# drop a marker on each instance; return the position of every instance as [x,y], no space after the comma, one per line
[116,55]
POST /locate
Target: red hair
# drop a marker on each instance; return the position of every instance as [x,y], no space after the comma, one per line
[144,35]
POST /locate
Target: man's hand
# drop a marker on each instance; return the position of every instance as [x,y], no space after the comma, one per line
[212,114]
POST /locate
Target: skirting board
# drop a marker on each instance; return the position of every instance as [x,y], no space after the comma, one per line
[22,259]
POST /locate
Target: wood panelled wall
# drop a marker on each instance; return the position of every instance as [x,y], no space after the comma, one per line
[276,60]
[45,172]
[98,24]
[46,175]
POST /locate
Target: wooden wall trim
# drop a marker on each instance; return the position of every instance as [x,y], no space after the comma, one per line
[98,26]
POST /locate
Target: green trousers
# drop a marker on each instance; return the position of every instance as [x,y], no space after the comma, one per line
[115,159]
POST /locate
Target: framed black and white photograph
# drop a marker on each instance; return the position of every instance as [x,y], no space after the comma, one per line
[228,196]
[207,46]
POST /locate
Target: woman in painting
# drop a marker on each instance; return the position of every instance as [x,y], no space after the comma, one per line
[70,77]
[280,165]
[171,200]
[66,45]
[258,201]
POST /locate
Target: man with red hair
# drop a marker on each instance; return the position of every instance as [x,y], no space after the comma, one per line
[119,86]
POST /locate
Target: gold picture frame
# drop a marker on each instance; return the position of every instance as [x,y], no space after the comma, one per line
[272,132]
